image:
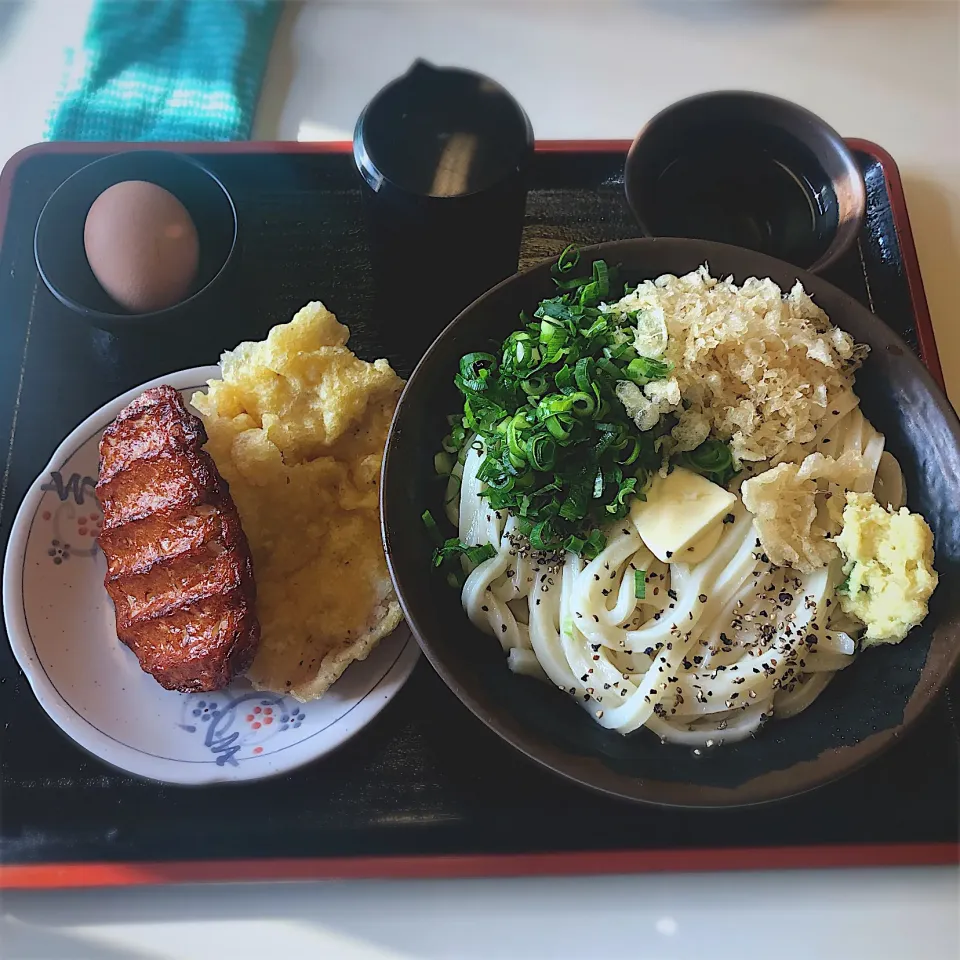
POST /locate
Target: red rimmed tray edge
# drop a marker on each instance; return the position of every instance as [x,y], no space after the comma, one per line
[99,874]
[106,874]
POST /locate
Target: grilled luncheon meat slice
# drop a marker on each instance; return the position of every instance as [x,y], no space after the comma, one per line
[178,565]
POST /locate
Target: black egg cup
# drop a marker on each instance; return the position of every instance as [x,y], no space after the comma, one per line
[59,249]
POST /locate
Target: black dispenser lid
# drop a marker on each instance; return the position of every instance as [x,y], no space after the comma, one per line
[441,132]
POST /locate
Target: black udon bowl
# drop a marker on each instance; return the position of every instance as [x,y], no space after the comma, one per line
[863,710]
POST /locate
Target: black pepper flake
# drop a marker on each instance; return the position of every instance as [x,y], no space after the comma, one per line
[538,601]
[596,618]
[702,598]
[485,609]
[584,678]
[672,594]
[669,554]
[503,628]
[606,686]
[605,592]
[729,518]
[596,576]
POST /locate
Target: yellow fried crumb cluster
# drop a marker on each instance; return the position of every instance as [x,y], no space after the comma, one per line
[297,426]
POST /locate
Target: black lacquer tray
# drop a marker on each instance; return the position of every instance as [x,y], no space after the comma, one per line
[426,790]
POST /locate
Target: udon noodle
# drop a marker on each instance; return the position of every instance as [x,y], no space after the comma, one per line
[719,643]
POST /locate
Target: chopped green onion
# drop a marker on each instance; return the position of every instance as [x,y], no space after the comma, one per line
[595,543]
[568,260]
[574,544]
[443,463]
[540,536]
[640,584]
[557,449]
[431,526]
[598,486]
[712,459]
[455,548]
[642,370]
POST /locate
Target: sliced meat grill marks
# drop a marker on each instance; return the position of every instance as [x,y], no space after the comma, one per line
[178,565]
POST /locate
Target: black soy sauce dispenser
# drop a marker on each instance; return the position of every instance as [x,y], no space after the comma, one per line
[444,155]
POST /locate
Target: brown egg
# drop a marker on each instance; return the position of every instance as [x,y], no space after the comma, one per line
[141,245]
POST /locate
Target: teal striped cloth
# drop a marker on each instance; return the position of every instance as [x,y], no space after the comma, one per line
[167,70]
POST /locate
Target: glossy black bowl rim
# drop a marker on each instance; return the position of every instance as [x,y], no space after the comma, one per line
[117,321]
[558,761]
[848,226]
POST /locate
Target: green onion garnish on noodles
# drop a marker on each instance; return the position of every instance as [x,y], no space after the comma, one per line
[559,451]
[432,528]
[640,584]
[449,549]
[712,459]
[455,548]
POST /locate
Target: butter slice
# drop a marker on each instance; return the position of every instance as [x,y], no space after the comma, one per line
[678,509]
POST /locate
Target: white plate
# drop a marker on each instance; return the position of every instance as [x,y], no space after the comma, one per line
[60,622]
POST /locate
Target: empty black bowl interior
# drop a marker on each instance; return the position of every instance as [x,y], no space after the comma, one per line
[58,247]
[748,170]
[789,756]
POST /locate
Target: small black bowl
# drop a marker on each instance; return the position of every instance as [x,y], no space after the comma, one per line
[58,241]
[865,708]
[751,170]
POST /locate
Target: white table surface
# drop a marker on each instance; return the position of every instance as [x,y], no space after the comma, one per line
[889,72]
